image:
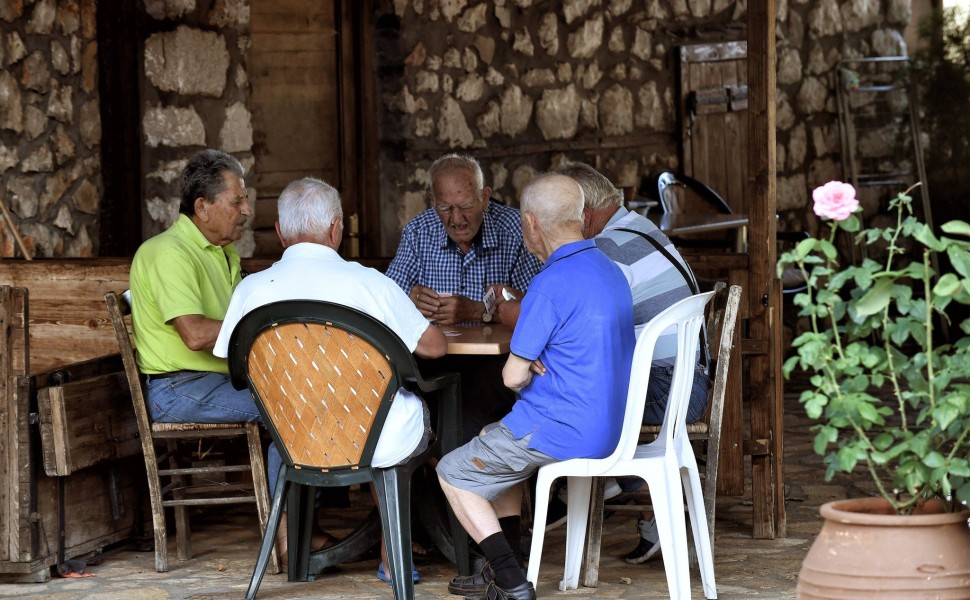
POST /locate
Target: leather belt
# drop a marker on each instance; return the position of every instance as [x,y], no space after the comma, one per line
[170,374]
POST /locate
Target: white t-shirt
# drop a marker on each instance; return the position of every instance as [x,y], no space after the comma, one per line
[316,272]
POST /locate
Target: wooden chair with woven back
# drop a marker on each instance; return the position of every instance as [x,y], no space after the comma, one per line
[170,484]
[721,320]
[324,377]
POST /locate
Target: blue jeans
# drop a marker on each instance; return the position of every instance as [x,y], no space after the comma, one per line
[658,390]
[206,397]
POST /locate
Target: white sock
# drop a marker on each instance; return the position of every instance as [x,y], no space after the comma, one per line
[648,530]
[612,489]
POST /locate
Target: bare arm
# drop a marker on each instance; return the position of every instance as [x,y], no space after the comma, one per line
[517,372]
[197,332]
[432,343]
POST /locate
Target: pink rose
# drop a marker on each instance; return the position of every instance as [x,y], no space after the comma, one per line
[835,200]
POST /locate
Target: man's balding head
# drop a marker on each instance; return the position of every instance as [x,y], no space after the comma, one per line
[554,199]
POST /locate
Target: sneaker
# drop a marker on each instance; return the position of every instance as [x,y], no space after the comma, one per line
[649,546]
[464,585]
[643,552]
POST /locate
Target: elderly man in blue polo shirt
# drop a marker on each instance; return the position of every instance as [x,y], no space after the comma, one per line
[578,342]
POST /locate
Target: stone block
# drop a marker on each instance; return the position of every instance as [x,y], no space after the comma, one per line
[60,105]
[651,112]
[523,42]
[486,48]
[68,17]
[16,49]
[575,9]
[538,78]
[470,88]
[237,129]
[64,147]
[172,126]
[168,171]
[22,195]
[423,126]
[585,41]
[81,246]
[616,111]
[825,18]
[11,109]
[797,147]
[36,72]
[86,198]
[642,42]
[812,95]
[59,58]
[417,56]
[789,66]
[557,113]
[425,81]
[451,8]
[39,160]
[473,19]
[590,76]
[230,13]
[8,158]
[619,7]
[469,60]
[516,110]
[452,58]
[89,67]
[89,122]
[489,121]
[42,18]
[64,220]
[168,9]
[172,61]
[452,127]
[54,188]
[549,33]
[89,21]
[10,11]
[616,42]
[162,211]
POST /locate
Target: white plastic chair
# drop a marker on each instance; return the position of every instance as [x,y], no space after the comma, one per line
[665,464]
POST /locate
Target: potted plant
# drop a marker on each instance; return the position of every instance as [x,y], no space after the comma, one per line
[890,390]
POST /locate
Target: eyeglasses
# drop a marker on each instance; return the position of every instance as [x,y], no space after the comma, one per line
[465,209]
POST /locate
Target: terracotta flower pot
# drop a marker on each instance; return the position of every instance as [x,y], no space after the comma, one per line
[865,550]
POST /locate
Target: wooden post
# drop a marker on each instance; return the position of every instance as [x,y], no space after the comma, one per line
[764,290]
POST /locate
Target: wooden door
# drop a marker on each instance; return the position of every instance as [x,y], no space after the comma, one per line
[713,108]
[293,74]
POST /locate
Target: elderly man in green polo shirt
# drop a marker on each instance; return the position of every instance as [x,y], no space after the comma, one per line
[181,282]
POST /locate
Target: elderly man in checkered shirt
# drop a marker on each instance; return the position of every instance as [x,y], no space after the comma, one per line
[453,252]
[448,257]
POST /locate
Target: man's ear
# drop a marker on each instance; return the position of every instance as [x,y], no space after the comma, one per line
[280,235]
[486,194]
[201,209]
[337,231]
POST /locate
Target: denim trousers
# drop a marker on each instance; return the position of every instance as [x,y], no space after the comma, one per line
[206,397]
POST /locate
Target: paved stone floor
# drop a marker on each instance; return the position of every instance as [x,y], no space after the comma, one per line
[226,545]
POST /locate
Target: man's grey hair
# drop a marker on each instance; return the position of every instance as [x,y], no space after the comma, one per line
[554,199]
[308,206]
[202,177]
[598,191]
[451,162]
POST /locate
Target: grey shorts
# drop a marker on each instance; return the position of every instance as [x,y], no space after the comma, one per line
[492,463]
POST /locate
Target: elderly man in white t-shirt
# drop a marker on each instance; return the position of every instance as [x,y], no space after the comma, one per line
[310,226]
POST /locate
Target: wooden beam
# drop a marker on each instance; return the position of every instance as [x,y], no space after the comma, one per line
[764,290]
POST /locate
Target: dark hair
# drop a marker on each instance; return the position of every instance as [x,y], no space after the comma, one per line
[202,177]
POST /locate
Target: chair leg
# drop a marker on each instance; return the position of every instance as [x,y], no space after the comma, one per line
[668,506]
[260,487]
[698,521]
[267,548]
[158,511]
[183,535]
[394,496]
[594,536]
[299,521]
[543,485]
[577,517]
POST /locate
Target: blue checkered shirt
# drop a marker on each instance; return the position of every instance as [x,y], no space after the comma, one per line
[427,256]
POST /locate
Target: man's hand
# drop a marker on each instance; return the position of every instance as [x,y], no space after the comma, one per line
[445,309]
[537,367]
[508,303]
[425,299]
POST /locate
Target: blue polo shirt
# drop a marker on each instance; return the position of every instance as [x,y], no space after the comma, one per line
[578,319]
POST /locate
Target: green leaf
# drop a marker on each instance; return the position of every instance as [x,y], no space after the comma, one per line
[924,234]
[851,224]
[960,259]
[805,247]
[934,460]
[947,285]
[956,227]
[876,299]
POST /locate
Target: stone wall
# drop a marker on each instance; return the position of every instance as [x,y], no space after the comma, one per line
[195,94]
[526,84]
[50,126]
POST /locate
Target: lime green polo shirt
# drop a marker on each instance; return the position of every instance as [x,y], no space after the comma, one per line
[178,272]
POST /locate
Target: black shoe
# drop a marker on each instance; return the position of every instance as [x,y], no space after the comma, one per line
[644,551]
[464,585]
[524,591]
